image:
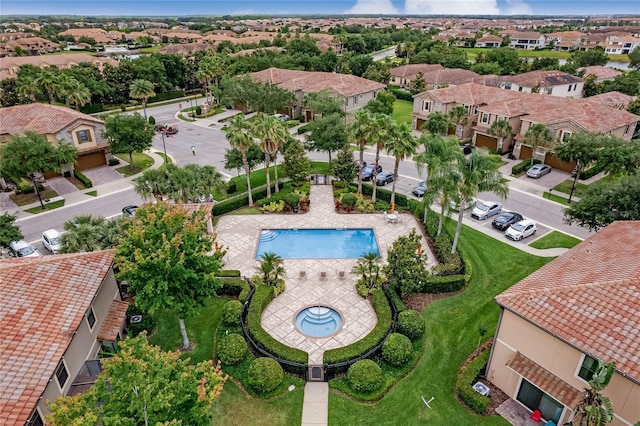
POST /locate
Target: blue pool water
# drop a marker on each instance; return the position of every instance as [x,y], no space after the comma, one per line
[318,321]
[351,243]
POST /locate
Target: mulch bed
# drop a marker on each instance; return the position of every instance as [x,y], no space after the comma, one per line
[420,301]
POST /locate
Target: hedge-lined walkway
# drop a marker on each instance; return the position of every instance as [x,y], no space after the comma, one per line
[241,234]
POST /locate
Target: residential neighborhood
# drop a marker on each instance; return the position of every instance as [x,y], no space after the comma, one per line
[335,218]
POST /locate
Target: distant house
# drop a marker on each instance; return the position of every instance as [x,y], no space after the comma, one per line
[555,324]
[403,75]
[9,67]
[56,313]
[556,83]
[601,73]
[564,40]
[356,91]
[621,45]
[184,49]
[527,40]
[447,77]
[613,99]
[489,40]
[59,123]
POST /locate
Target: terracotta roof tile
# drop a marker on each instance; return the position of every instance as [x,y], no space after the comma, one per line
[42,303]
[113,322]
[40,118]
[542,78]
[589,296]
[411,70]
[545,380]
[601,72]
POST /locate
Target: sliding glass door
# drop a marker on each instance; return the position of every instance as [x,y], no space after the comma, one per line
[534,399]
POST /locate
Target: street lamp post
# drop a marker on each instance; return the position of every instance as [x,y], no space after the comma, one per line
[35,180]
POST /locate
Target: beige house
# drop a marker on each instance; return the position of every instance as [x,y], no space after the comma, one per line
[356,91]
[555,324]
[56,313]
[489,40]
[9,66]
[59,123]
[487,104]
[528,40]
[403,75]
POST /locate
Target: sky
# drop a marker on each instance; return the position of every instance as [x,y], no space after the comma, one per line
[306,7]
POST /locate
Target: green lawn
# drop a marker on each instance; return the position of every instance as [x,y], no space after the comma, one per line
[451,335]
[565,188]
[47,206]
[556,198]
[92,193]
[31,197]
[152,49]
[402,111]
[555,239]
[140,162]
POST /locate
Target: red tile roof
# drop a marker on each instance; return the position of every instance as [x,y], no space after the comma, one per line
[411,70]
[306,81]
[113,322]
[455,76]
[613,99]
[40,118]
[589,297]
[42,302]
[543,78]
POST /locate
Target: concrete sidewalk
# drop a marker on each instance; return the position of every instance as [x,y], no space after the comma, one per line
[315,406]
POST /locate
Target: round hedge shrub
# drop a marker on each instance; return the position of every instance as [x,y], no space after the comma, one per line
[411,324]
[396,350]
[292,199]
[349,200]
[265,374]
[231,312]
[365,376]
[231,349]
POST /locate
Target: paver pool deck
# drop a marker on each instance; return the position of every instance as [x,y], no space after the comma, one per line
[240,234]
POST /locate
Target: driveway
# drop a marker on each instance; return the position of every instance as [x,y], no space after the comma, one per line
[549,180]
[103,174]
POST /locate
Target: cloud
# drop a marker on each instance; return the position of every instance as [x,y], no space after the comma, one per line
[518,7]
[372,7]
[452,7]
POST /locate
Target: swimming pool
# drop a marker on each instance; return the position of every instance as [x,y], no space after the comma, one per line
[345,243]
[318,321]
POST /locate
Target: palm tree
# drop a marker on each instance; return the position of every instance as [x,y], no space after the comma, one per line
[500,129]
[538,135]
[369,268]
[271,267]
[596,409]
[239,138]
[86,233]
[264,128]
[382,129]
[401,145]
[152,184]
[142,89]
[79,94]
[46,81]
[409,48]
[437,124]
[475,174]
[26,86]
[459,116]
[360,131]
[281,136]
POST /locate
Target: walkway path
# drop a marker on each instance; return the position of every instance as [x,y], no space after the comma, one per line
[315,407]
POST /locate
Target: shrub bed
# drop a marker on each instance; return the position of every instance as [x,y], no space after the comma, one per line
[362,346]
[231,312]
[235,287]
[261,298]
[365,376]
[385,195]
[589,173]
[265,374]
[411,324]
[166,96]
[229,273]
[82,178]
[232,349]
[523,166]
[467,377]
[241,201]
[396,349]
[443,283]
[401,94]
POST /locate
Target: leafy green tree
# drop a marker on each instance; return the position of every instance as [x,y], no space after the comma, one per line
[500,129]
[344,167]
[582,149]
[296,164]
[634,106]
[418,84]
[233,158]
[437,124]
[475,174]
[506,57]
[324,102]
[9,232]
[128,134]
[144,385]
[458,116]
[538,135]
[634,58]
[406,264]
[618,155]
[271,267]
[239,138]
[86,233]
[382,104]
[400,145]
[32,154]
[589,57]
[596,409]
[272,134]
[605,202]
[486,68]
[327,134]
[270,98]
[164,254]
[142,89]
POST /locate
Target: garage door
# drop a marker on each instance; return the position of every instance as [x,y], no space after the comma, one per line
[556,163]
[486,141]
[525,152]
[90,160]
[419,123]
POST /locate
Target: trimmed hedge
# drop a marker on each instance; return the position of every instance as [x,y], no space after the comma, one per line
[401,94]
[467,378]
[397,349]
[385,195]
[362,346]
[261,298]
[166,96]
[365,376]
[443,283]
[523,166]
[236,287]
[231,312]
[411,324]
[265,374]
[229,273]
[91,109]
[232,348]
[241,201]
[589,173]
[82,178]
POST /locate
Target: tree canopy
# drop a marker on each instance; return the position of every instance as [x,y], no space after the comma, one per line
[86,233]
[9,232]
[328,134]
[296,164]
[128,134]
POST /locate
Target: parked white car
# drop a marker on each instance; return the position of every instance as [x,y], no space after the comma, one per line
[23,249]
[51,240]
[520,230]
[486,209]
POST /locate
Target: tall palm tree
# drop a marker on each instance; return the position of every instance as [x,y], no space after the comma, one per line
[475,174]
[271,267]
[86,233]
[142,89]
[437,124]
[500,129]
[382,129]
[26,86]
[401,145]
[409,48]
[239,138]
[360,131]
[459,116]
[47,81]
[265,128]
[281,136]
[538,135]
[152,184]
[79,95]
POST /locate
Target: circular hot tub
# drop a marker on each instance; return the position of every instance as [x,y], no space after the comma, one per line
[318,321]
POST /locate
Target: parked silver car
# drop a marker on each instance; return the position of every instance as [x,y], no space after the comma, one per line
[23,249]
[486,209]
[538,170]
[521,230]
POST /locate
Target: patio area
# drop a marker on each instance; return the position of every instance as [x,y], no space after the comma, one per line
[321,283]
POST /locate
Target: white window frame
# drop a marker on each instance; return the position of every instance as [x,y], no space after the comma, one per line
[579,367]
[485,118]
[626,129]
[426,105]
[55,373]
[91,312]
[565,135]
